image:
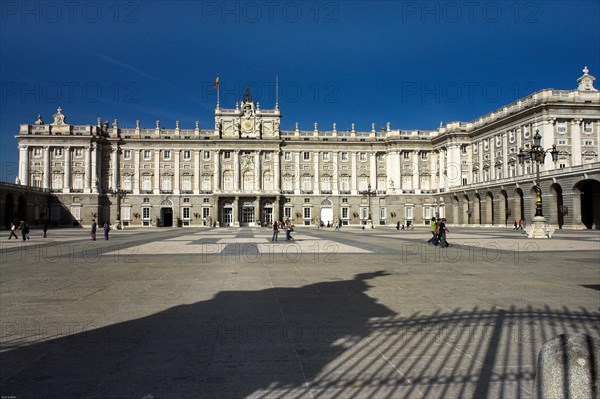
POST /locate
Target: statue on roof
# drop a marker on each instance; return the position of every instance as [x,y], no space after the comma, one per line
[586,82]
[39,120]
[59,118]
[248,95]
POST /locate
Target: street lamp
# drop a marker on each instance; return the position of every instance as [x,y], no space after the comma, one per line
[537,155]
[369,193]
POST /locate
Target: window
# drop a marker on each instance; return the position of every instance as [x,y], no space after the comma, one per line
[561,127]
[587,127]
[287,213]
[166,183]
[306,183]
[562,165]
[127,154]
[167,155]
[463,149]
[205,213]
[464,181]
[37,152]
[406,155]
[186,183]
[345,213]
[78,152]
[147,154]
[206,155]
[76,212]
[206,183]
[362,156]
[498,141]
[78,181]
[526,132]
[408,212]
[57,181]
[185,213]
[475,148]
[126,183]
[147,183]
[287,156]
[345,184]
[126,213]
[307,212]
[307,200]
[486,144]
[268,156]
[325,156]
[381,157]
[326,183]
[511,136]
[424,155]
[562,142]
[382,214]
[588,142]
[146,213]
[146,200]
[344,156]
[187,155]
[186,200]
[345,200]
[206,200]
[58,152]
[226,154]
[306,155]
[363,183]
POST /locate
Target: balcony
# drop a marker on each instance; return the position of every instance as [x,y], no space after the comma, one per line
[186,191]
[326,191]
[287,191]
[306,192]
[408,191]
[205,191]
[166,191]
[345,192]
[381,191]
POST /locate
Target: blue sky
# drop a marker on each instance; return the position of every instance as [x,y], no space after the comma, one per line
[411,63]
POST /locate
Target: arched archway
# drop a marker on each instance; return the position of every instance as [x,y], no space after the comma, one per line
[22,208]
[504,211]
[477,209]
[519,208]
[556,204]
[9,210]
[166,213]
[590,202]
[326,214]
[489,208]
[466,210]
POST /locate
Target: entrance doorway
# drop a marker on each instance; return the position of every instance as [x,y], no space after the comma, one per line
[166,215]
[227,216]
[268,215]
[247,214]
[326,212]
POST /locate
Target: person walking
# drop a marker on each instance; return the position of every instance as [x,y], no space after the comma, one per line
[24,227]
[432,228]
[93,231]
[442,233]
[45,229]
[13,229]
[275,231]
[106,230]
[398,225]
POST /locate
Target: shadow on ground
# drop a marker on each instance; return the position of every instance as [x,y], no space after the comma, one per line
[328,339]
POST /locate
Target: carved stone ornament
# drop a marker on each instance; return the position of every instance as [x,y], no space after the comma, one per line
[59,118]
[247,162]
[39,120]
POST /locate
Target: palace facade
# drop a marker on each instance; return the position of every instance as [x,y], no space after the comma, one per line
[246,170]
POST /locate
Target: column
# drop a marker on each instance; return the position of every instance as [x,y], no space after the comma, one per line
[217,170]
[336,172]
[277,172]
[95,181]
[257,169]
[236,170]
[442,169]
[297,173]
[46,184]
[236,211]
[480,152]
[416,173]
[136,171]
[353,181]
[115,169]
[519,144]
[317,185]
[88,169]
[257,209]
[196,172]
[24,165]
[177,172]
[67,177]
[433,161]
[504,155]
[576,142]
[547,141]
[493,158]
[156,188]
[276,215]
[470,164]
[373,170]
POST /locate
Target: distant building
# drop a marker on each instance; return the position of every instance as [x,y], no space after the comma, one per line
[245,169]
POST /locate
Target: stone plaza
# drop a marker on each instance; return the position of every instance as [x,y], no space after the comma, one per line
[227,313]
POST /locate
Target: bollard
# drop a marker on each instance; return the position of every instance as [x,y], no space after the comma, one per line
[568,367]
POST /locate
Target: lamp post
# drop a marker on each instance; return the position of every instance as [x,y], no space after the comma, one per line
[537,155]
[120,195]
[369,193]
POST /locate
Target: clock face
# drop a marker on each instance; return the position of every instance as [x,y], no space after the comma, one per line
[247,125]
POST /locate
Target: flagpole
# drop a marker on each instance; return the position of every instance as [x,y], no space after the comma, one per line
[276,91]
[218,93]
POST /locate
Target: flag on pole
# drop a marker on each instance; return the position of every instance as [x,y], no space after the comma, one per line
[216,83]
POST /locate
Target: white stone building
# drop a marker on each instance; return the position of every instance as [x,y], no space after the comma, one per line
[245,169]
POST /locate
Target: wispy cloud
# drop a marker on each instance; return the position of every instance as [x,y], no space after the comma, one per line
[124,65]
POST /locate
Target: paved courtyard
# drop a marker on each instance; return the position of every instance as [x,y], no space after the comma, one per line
[226,313]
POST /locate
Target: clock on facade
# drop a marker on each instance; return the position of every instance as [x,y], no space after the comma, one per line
[247,125]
